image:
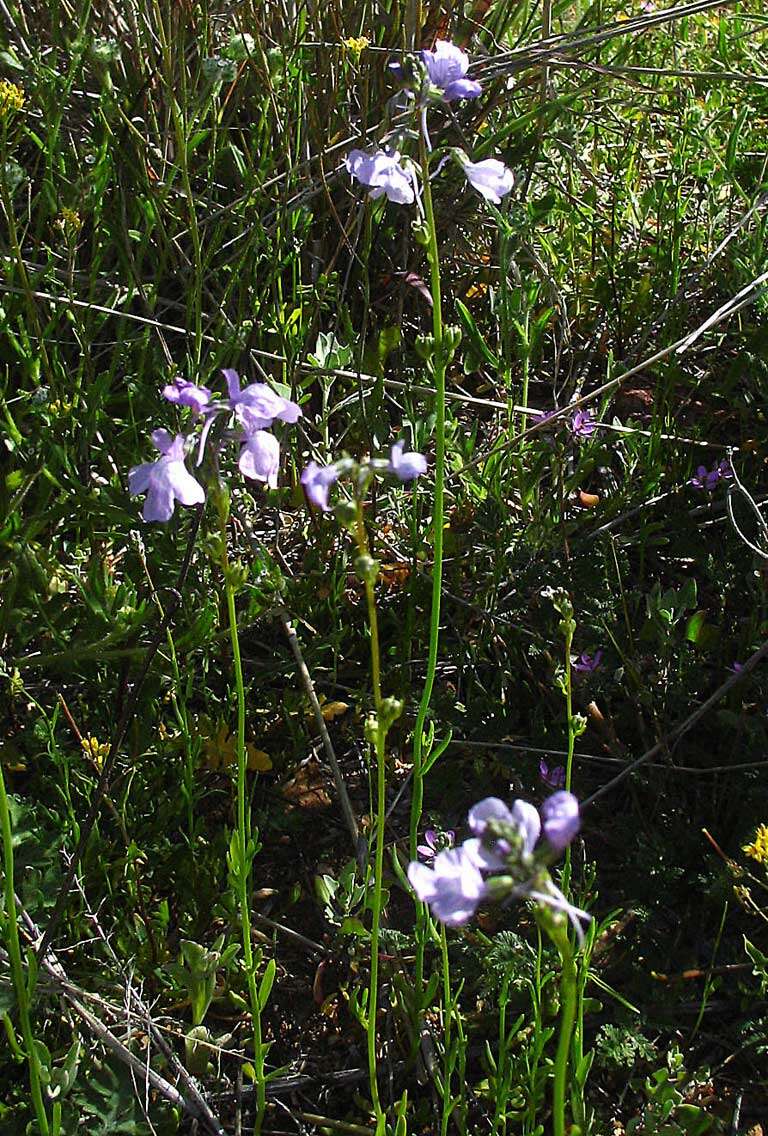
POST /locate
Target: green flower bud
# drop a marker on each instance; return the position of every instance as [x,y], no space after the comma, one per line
[345,513]
[391,709]
[366,568]
[371,729]
[420,232]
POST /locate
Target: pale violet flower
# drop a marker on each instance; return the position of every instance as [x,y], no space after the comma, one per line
[382,173]
[260,457]
[490,808]
[453,888]
[490,178]
[166,480]
[560,814]
[447,67]
[181,392]
[317,480]
[406,466]
[257,405]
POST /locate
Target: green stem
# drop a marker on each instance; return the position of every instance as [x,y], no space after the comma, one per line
[439,364]
[570,627]
[568,997]
[243,875]
[381,808]
[17,971]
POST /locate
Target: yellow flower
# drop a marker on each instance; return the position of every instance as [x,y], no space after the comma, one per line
[758,849]
[96,750]
[356,45]
[11,98]
[220,751]
[69,222]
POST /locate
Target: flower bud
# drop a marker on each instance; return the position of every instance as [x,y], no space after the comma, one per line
[425,347]
[371,729]
[391,709]
[366,568]
[345,513]
[420,232]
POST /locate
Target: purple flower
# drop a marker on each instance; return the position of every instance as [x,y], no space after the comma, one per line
[453,888]
[561,819]
[260,457]
[317,480]
[382,174]
[257,405]
[582,424]
[181,392]
[522,817]
[406,466]
[708,479]
[737,668]
[447,67]
[166,480]
[586,663]
[490,178]
[435,842]
[554,777]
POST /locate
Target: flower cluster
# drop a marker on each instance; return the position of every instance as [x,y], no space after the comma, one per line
[251,411]
[438,76]
[504,859]
[709,479]
[758,848]
[318,479]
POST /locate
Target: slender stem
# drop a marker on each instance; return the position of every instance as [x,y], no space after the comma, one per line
[17,972]
[569,708]
[438,364]
[567,1018]
[570,626]
[447,1022]
[380,741]
[243,875]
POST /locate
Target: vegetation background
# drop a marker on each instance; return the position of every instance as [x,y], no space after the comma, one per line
[174,201]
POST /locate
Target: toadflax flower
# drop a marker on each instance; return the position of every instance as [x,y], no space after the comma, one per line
[257,406]
[406,466]
[447,67]
[505,845]
[490,178]
[181,392]
[166,480]
[435,842]
[560,814]
[260,457]
[553,776]
[709,479]
[586,663]
[582,424]
[317,480]
[453,887]
[382,173]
